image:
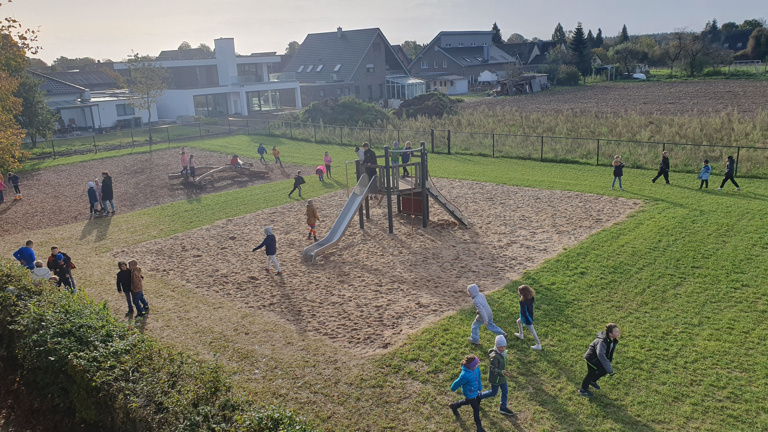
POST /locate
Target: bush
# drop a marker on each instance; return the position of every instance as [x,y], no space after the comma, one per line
[568,75]
[346,111]
[432,105]
[110,375]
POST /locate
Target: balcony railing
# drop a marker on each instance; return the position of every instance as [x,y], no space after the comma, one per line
[285,76]
[246,79]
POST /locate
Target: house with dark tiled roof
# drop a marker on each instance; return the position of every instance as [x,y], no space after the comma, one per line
[463,53]
[92,80]
[359,63]
[531,54]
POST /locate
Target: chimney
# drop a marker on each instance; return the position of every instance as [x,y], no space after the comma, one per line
[338,32]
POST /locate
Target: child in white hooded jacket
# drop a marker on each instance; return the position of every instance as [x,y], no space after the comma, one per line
[484,315]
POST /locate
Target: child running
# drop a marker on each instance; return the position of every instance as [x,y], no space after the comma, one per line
[730,171]
[618,171]
[270,247]
[261,151]
[14,179]
[471,386]
[526,294]
[484,315]
[704,174]
[497,374]
[312,219]
[276,154]
[298,180]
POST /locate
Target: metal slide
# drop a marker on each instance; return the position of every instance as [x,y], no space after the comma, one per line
[445,204]
[348,213]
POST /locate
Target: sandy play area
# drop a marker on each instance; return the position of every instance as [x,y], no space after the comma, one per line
[373,288]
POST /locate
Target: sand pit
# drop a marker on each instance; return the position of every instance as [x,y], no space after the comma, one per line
[373,288]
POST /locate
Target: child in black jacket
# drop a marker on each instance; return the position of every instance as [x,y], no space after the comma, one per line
[123,283]
[298,180]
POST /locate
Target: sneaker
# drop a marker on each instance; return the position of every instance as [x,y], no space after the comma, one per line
[653,180]
[719,189]
[454,409]
[611,187]
[267,270]
[146,308]
[586,393]
[738,189]
[595,385]
[472,341]
[537,347]
[519,335]
[140,316]
[279,273]
[506,411]
[622,189]
[129,314]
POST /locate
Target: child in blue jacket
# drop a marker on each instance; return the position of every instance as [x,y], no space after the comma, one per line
[471,385]
[704,174]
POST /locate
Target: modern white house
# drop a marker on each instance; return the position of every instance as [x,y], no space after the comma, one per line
[223,83]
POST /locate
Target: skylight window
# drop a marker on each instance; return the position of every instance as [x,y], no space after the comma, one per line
[493,58]
[478,58]
[301,68]
[467,59]
[309,68]
[336,69]
[319,68]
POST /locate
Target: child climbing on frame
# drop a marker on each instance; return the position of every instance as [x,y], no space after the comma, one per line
[312,219]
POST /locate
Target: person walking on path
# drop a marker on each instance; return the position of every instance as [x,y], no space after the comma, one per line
[663,168]
[107,195]
[261,151]
[327,161]
[497,374]
[276,154]
[312,219]
[484,315]
[704,174]
[92,197]
[298,180]
[599,356]
[137,289]
[270,247]
[25,255]
[123,282]
[526,294]
[471,385]
[406,157]
[14,179]
[618,171]
[730,170]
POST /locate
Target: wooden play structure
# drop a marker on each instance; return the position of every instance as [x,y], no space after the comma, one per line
[206,174]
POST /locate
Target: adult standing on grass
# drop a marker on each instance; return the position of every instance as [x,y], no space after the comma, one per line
[484,315]
[137,289]
[107,195]
[527,294]
[730,169]
[471,385]
[270,247]
[26,256]
[497,374]
[663,168]
[599,356]
[261,151]
[327,160]
[618,171]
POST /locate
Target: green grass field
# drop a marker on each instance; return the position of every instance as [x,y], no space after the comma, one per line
[685,278]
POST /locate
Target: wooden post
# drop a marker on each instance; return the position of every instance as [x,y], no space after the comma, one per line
[133,143]
[432,134]
[388,182]
[269,128]
[736,166]
[168,134]
[229,125]
[541,157]
[424,196]
[341,135]
[94,144]
[53,148]
[370,144]
[493,144]
[290,128]
[449,141]
[200,129]
[598,152]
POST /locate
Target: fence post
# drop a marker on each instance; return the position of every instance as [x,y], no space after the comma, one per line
[53,148]
[290,128]
[229,125]
[247,127]
[133,143]
[736,167]
[493,145]
[432,135]
[168,134]
[269,128]
[598,153]
[200,129]
[398,135]
[369,137]
[449,141]
[314,127]
[541,158]
[94,144]
[341,135]
[663,147]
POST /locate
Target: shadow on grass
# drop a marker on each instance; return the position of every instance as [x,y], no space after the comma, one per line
[7,206]
[98,225]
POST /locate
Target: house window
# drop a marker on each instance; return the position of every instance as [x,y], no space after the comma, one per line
[738,45]
[301,68]
[369,68]
[319,68]
[124,110]
[322,93]
[346,91]
[451,83]
[435,64]
[473,44]
[445,64]
[336,69]
[309,68]
[485,43]
[461,44]
[447,45]
[338,92]
[424,64]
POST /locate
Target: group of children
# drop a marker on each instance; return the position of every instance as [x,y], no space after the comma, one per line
[275,152]
[101,194]
[730,171]
[14,179]
[599,355]
[130,282]
[58,269]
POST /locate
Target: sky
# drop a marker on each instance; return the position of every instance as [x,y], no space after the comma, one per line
[106,29]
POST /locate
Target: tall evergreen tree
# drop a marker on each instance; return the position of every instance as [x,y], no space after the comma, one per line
[559,34]
[623,36]
[496,39]
[580,50]
[599,38]
[590,40]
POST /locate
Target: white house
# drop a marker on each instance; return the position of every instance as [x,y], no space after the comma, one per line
[448,84]
[221,84]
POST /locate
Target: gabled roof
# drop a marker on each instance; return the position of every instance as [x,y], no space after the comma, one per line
[474,56]
[404,59]
[522,50]
[184,54]
[52,86]
[87,79]
[339,52]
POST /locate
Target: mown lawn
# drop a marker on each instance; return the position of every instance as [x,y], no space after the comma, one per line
[684,278]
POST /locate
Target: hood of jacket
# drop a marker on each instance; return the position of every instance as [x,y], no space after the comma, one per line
[473,290]
[268,231]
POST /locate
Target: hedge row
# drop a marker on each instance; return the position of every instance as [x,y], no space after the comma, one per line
[88,362]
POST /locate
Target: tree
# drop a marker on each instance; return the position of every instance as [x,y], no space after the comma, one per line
[558,36]
[64,62]
[694,50]
[623,36]
[590,40]
[729,27]
[36,118]
[36,63]
[147,84]
[752,24]
[292,48]
[206,48]
[516,38]
[712,31]
[627,55]
[496,39]
[599,38]
[412,48]
[580,50]
[757,47]
[674,48]
[184,46]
